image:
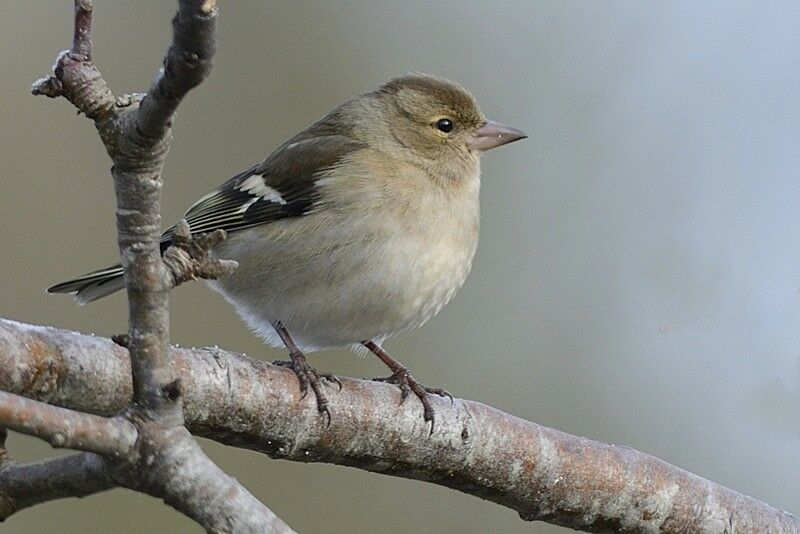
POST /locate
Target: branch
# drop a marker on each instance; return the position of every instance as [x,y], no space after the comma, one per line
[143,139]
[168,463]
[542,473]
[164,459]
[25,485]
[82,34]
[186,65]
[66,428]
[181,474]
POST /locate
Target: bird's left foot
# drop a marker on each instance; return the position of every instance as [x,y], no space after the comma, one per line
[403,379]
[308,376]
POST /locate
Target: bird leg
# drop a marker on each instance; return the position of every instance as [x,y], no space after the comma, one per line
[307,375]
[402,377]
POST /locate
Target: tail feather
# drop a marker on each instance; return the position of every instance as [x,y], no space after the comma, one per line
[94,285]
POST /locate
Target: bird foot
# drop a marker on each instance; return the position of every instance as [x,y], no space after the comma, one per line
[403,379]
[308,376]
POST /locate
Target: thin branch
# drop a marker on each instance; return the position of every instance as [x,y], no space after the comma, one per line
[82,36]
[540,472]
[77,475]
[186,65]
[65,428]
[77,79]
[139,158]
[136,132]
[190,482]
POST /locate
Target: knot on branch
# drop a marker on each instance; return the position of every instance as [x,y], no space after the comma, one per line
[75,76]
[79,80]
[173,390]
[123,340]
[208,6]
[48,86]
[190,256]
[129,99]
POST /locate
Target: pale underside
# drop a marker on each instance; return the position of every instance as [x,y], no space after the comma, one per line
[403,256]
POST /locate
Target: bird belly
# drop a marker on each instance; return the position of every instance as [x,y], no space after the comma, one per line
[339,292]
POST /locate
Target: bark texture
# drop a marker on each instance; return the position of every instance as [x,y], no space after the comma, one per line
[542,473]
[144,445]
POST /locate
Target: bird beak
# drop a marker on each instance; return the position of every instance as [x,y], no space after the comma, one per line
[493,134]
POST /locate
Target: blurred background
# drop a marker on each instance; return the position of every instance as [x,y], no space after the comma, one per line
[638,278]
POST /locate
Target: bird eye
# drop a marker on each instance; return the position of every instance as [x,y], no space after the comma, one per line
[444,125]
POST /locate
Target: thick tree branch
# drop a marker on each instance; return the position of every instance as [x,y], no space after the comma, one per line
[542,473]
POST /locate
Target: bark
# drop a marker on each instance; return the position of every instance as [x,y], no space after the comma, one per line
[24,485]
[145,445]
[542,473]
[67,428]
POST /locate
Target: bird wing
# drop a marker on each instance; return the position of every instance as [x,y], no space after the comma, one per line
[284,185]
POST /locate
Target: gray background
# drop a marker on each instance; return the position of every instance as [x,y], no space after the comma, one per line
[637,279]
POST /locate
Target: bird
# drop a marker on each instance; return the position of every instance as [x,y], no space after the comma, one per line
[360,227]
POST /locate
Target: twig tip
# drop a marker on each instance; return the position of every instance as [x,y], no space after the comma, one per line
[208,6]
[48,86]
[82,37]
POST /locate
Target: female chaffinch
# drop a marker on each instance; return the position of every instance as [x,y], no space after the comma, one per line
[359,227]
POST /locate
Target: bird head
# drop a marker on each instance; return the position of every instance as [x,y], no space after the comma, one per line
[438,120]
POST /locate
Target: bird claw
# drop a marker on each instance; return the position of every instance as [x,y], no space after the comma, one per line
[308,376]
[407,384]
[330,377]
[440,392]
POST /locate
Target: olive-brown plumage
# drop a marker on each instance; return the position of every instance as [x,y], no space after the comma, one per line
[359,227]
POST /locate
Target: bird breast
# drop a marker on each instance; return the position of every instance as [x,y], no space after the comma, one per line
[347,273]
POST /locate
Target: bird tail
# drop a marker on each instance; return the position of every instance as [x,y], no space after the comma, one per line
[94,285]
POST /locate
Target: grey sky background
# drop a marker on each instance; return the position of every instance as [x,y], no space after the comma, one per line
[638,277]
